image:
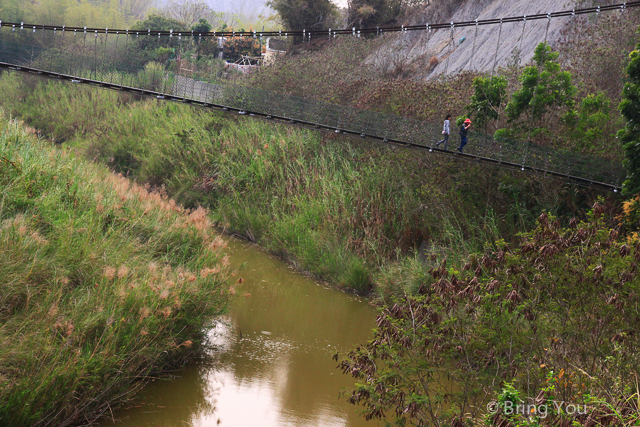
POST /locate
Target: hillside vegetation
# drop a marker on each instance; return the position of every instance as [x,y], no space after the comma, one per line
[538,332]
[345,211]
[125,14]
[104,283]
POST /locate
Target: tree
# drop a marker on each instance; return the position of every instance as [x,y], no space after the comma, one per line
[373,13]
[545,87]
[159,23]
[236,47]
[202,27]
[156,23]
[188,11]
[630,135]
[13,10]
[207,45]
[588,123]
[487,100]
[298,15]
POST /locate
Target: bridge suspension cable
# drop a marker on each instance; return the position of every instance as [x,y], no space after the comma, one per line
[307,33]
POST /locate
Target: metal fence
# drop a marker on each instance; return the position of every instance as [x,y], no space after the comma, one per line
[155,66]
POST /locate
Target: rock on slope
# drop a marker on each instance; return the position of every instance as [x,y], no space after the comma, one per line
[424,55]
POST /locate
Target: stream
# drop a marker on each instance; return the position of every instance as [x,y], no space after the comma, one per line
[273,364]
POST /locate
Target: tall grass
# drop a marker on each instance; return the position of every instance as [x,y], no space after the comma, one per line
[345,211]
[103,283]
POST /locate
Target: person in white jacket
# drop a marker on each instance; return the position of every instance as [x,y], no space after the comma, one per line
[445,132]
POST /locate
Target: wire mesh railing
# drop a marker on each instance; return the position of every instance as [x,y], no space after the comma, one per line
[169,67]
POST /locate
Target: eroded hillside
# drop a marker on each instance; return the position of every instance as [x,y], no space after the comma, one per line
[423,54]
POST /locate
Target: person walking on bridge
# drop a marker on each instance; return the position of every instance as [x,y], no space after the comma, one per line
[463,134]
[445,132]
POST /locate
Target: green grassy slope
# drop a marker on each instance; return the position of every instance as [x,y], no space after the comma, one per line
[102,283]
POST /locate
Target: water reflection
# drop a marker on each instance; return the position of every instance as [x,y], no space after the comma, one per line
[273,363]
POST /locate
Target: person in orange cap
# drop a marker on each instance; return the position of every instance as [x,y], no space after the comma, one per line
[463,134]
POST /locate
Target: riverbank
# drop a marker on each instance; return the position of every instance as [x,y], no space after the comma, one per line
[105,284]
[352,213]
[272,353]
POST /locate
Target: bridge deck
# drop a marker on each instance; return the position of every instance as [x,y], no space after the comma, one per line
[395,130]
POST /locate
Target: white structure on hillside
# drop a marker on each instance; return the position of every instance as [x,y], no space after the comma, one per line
[275,48]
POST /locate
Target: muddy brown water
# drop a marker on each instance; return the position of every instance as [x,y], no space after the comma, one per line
[273,364]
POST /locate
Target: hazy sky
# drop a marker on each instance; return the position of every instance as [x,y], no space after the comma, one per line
[252,6]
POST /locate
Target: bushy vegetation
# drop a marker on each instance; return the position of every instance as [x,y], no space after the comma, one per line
[104,283]
[374,13]
[127,13]
[630,135]
[299,15]
[546,92]
[486,103]
[553,319]
[536,325]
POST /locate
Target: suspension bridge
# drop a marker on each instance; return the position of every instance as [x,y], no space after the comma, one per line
[121,60]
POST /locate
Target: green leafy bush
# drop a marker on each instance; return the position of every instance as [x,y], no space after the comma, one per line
[630,135]
[544,87]
[588,123]
[299,15]
[486,102]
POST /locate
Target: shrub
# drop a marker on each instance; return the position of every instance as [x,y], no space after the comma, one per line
[486,102]
[555,318]
[299,15]
[630,135]
[588,123]
[544,87]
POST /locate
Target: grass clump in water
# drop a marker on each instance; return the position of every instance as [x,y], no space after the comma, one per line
[103,283]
